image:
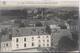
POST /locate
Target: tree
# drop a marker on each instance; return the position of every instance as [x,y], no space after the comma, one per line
[66,44]
[21,25]
[39,24]
[62,26]
[75,38]
[48,29]
[17,21]
[68,15]
[4,31]
[10,36]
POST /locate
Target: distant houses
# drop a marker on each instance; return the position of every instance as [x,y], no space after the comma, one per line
[33,29]
[20,38]
[23,34]
[33,35]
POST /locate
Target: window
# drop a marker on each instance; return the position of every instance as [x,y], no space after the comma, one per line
[32,44]
[34,29]
[42,30]
[24,44]
[17,31]
[43,40]
[3,45]
[24,39]
[38,36]
[43,44]
[32,37]
[39,45]
[38,33]
[43,36]
[17,45]
[7,44]
[47,44]
[47,40]
[16,34]
[17,40]
[47,36]
[39,41]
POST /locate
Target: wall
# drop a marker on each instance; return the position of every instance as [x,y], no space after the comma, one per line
[5,47]
[29,41]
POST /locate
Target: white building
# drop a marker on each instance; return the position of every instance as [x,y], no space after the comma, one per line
[33,41]
[6,46]
[54,28]
[6,43]
[25,38]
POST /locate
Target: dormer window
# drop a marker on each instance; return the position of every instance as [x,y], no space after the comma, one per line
[17,31]
[34,29]
[42,30]
[38,33]
[7,44]
[10,36]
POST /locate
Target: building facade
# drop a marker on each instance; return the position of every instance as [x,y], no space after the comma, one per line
[33,41]
[6,46]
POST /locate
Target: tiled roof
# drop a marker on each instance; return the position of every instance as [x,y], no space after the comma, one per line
[27,31]
[5,38]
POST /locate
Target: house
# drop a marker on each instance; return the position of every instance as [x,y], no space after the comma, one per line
[6,43]
[30,38]
[25,38]
[54,28]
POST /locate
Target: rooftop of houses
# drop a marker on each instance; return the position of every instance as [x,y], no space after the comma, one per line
[5,38]
[27,31]
[24,31]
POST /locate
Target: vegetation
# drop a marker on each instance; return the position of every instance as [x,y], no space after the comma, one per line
[48,29]
[38,24]
[62,26]
[69,15]
[66,44]
[4,31]
[20,23]
[75,38]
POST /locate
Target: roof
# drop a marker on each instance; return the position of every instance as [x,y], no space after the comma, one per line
[24,31]
[5,38]
[29,31]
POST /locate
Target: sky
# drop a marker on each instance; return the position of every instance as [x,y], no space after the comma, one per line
[15,3]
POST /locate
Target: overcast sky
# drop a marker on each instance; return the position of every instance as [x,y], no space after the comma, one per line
[13,3]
